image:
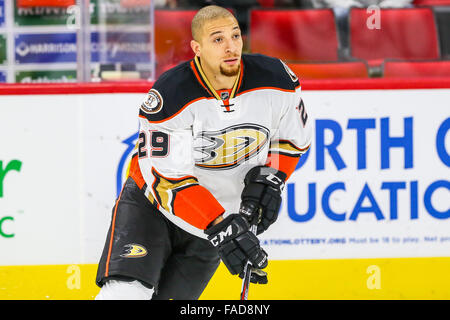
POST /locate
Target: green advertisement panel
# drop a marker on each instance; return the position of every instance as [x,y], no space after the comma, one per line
[102,11]
[40,16]
[2,49]
[39,76]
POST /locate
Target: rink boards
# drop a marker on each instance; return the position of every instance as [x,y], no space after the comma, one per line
[365,215]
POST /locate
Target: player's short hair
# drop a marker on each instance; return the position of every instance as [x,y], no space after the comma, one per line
[206,14]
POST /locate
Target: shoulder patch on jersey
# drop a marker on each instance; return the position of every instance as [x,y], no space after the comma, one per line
[153,103]
[291,73]
[178,87]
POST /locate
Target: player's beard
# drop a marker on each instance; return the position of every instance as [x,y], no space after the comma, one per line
[230,72]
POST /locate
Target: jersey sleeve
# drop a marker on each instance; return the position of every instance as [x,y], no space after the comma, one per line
[165,159]
[293,135]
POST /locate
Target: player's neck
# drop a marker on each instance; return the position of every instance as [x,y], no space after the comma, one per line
[218,80]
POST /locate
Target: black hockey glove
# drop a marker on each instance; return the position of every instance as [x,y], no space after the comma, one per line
[262,195]
[236,244]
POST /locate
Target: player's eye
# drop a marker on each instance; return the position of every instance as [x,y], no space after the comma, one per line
[236,36]
[218,40]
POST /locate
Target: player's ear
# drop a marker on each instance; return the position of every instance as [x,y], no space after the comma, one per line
[195,47]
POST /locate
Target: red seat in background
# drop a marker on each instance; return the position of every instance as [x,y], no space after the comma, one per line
[431,2]
[334,70]
[294,35]
[172,38]
[399,69]
[266,3]
[408,33]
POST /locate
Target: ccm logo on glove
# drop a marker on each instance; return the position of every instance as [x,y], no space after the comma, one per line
[218,239]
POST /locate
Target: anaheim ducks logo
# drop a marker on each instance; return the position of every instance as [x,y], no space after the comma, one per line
[134,251]
[227,148]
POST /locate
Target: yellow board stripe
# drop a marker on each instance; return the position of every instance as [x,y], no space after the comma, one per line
[337,279]
[342,279]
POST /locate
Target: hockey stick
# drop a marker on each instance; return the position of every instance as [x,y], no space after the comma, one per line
[247,272]
[248,211]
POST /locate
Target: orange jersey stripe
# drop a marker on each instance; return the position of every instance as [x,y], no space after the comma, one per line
[282,163]
[113,225]
[199,79]
[192,202]
[197,206]
[240,77]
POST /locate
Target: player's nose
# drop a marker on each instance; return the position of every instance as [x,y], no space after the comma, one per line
[230,47]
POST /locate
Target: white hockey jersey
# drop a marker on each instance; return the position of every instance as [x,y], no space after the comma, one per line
[196,144]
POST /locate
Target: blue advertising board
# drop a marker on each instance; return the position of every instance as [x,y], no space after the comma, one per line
[45,48]
[111,47]
[125,47]
[2,76]
[2,13]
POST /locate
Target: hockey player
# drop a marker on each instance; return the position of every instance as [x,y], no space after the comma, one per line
[219,133]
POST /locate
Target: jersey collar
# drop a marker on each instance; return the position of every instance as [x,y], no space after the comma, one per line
[203,80]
